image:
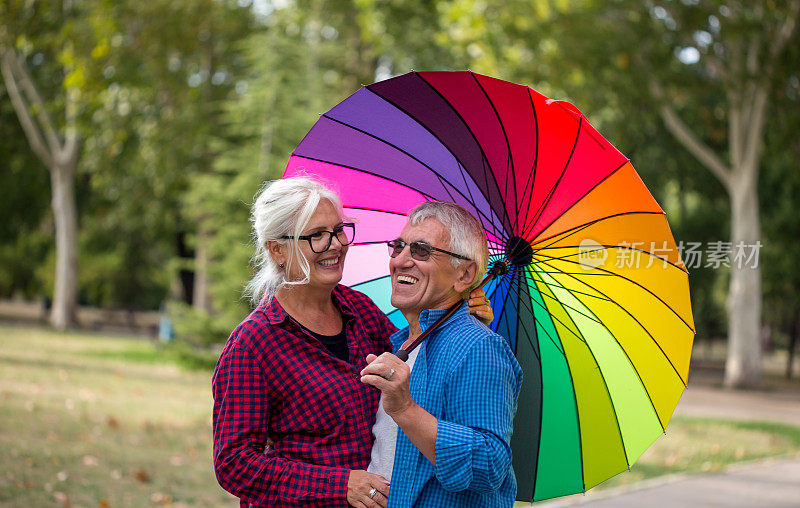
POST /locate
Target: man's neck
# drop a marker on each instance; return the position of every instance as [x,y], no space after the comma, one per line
[412,316]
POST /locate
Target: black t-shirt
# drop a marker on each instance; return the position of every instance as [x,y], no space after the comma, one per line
[335,344]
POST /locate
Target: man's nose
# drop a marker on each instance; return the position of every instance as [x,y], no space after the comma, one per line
[404,258]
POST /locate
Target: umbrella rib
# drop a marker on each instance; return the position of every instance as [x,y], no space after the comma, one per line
[544,307]
[593,318]
[522,324]
[601,247]
[683,381]
[375,209]
[552,190]
[573,291]
[610,399]
[612,274]
[531,180]
[509,160]
[475,138]
[361,170]
[471,199]
[512,280]
[541,382]
[576,229]
[575,401]
[587,192]
[460,164]
[508,280]
[613,336]
[369,280]
[461,171]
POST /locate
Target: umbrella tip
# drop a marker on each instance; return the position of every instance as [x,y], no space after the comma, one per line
[518,251]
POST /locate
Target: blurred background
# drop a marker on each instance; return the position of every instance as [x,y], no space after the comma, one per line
[134,136]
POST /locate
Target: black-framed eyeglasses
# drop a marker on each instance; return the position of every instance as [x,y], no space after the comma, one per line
[420,251]
[320,241]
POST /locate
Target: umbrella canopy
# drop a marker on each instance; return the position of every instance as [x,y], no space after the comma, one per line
[600,319]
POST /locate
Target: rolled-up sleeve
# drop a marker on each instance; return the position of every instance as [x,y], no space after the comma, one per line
[242,466]
[473,449]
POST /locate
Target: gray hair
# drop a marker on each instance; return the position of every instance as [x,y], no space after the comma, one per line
[466,233]
[283,208]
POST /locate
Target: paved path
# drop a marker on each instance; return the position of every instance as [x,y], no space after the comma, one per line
[770,483]
[701,400]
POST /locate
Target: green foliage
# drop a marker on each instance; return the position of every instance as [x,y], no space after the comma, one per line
[187,107]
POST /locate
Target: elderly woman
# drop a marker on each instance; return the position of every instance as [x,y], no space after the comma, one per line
[292,421]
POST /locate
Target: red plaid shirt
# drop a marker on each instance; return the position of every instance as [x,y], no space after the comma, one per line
[275,381]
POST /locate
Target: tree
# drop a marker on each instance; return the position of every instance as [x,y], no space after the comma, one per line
[746,66]
[709,70]
[55,141]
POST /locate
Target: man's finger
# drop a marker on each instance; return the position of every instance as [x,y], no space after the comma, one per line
[382,487]
[377,381]
[380,500]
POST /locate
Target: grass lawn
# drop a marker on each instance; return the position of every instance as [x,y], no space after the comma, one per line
[90,420]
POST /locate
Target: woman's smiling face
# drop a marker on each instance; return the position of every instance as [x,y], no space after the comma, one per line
[325,268]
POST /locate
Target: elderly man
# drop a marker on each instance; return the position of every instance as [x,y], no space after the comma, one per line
[455,399]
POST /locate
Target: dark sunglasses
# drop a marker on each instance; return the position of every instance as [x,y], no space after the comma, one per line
[320,241]
[420,251]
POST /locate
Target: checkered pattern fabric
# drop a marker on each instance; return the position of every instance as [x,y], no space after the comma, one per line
[275,381]
[467,377]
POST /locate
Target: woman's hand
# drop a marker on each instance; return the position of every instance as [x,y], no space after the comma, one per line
[359,486]
[479,306]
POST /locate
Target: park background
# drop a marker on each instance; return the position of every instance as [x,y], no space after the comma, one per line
[134,136]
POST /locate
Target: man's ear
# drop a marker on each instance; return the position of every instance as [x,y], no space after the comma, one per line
[278,251]
[466,276]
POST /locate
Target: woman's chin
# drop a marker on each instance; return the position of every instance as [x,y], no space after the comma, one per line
[328,278]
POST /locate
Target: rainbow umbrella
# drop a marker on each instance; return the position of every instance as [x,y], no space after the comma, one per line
[600,319]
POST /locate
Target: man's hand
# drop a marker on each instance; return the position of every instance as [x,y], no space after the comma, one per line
[390,375]
[419,425]
[359,486]
[479,306]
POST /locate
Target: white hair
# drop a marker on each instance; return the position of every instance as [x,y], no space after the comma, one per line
[283,208]
[466,233]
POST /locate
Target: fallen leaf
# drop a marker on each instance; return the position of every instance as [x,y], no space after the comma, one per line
[141,475]
[62,499]
[103,503]
[160,498]
[112,422]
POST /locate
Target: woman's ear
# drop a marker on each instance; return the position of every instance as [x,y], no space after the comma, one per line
[466,276]
[278,251]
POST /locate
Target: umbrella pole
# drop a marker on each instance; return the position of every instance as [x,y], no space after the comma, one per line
[499,268]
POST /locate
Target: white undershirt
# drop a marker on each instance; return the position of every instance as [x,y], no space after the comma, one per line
[385,432]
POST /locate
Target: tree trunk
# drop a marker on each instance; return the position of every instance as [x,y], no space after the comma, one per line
[60,157]
[792,346]
[743,364]
[201,299]
[65,215]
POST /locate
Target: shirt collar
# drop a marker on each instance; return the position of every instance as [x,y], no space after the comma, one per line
[428,317]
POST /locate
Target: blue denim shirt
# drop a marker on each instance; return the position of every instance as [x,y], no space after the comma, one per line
[467,377]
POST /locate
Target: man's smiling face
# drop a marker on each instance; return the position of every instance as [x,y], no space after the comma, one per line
[420,285]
